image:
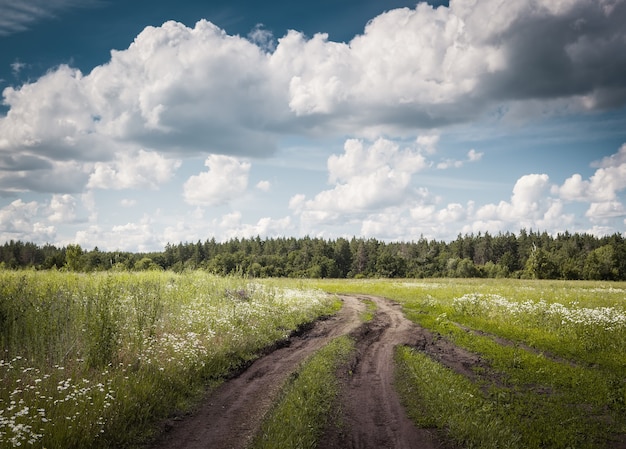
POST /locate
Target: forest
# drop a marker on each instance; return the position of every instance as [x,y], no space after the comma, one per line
[528,254]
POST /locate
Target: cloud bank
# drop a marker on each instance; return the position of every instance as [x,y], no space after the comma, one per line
[179,93]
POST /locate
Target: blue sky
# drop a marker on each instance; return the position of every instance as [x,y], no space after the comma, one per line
[128,125]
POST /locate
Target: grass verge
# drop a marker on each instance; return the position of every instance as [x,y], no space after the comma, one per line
[307,400]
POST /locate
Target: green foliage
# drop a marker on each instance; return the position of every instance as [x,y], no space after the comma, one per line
[527,255]
[73,254]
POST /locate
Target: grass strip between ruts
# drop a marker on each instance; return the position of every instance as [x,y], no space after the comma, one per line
[307,400]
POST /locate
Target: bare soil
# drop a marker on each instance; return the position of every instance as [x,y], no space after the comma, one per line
[370,416]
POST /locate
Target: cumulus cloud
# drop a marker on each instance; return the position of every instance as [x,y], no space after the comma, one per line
[62,209]
[264,186]
[142,236]
[601,190]
[432,67]
[266,226]
[472,156]
[262,38]
[142,169]
[225,180]
[364,178]
[608,209]
[530,207]
[184,90]
[21,221]
[427,143]
[449,163]
[227,226]
[178,92]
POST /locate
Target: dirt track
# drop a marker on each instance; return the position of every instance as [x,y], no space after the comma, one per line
[371,414]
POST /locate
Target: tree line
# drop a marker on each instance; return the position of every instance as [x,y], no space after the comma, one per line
[527,254]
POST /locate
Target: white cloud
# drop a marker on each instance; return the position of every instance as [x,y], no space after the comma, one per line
[16,67]
[89,203]
[264,186]
[156,92]
[227,226]
[262,38]
[225,180]
[449,163]
[365,178]
[574,189]
[452,213]
[423,213]
[297,202]
[178,92]
[474,156]
[62,209]
[52,118]
[392,224]
[20,221]
[141,169]
[410,69]
[603,186]
[266,227]
[615,160]
[529,203]
[607,209]
[428,142]
[142,237]
[153,95]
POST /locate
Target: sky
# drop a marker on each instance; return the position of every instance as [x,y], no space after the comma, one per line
[130,125]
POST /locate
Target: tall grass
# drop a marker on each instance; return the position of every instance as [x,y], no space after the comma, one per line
[91,360]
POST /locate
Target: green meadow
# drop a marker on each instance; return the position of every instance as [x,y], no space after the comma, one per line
[95,360]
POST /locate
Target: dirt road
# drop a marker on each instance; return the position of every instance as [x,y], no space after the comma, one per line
[371,414]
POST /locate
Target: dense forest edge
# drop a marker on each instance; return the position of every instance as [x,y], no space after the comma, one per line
[506,255]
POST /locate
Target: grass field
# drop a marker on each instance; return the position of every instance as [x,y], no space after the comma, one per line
[92,360]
